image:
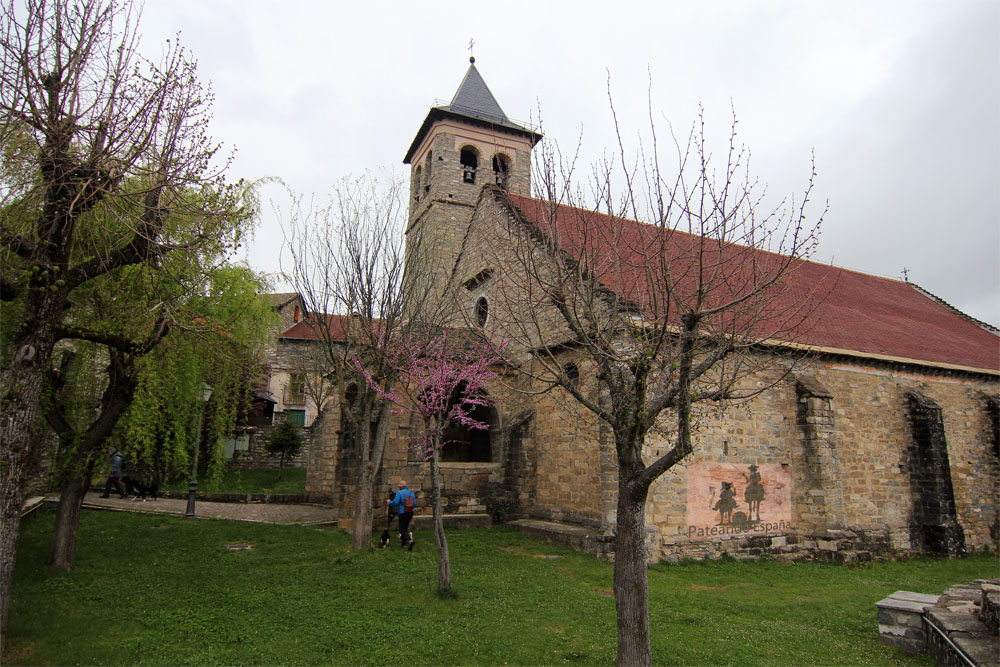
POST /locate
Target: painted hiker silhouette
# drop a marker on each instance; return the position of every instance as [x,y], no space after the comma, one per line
[726,503]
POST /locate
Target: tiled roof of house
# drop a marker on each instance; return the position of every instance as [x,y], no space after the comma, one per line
[311,327]
[280,299]
[843,310]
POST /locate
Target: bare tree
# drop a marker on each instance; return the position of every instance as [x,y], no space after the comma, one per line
[350,268]
[643,323]
[86,123]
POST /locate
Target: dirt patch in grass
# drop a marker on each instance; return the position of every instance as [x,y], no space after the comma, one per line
[701,587]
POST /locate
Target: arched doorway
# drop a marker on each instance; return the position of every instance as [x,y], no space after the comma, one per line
[463,444]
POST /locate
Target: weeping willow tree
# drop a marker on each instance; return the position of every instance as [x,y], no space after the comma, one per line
[221,348]
[135,348]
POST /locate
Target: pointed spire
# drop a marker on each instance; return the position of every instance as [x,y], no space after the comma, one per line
[473,103]
[473,97]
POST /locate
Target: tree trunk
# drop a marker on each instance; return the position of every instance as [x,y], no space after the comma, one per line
[361,534]
[62,548]
[371,462]
[631,586]
[281,465]
[20,390]
[440,541]
[361,531]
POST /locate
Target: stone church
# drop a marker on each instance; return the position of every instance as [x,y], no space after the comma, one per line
[885,440]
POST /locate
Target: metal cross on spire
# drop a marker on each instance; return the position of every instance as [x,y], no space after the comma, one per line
[472,43]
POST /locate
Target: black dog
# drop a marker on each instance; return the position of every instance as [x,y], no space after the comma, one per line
[140,490]
[385,533]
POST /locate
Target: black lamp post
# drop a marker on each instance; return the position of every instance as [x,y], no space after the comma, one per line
[206,393]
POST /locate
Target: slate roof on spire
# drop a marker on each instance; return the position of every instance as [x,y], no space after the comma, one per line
[473,102]
[473,98]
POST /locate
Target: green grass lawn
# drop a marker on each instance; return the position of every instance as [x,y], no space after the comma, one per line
[293,480]
[163,590]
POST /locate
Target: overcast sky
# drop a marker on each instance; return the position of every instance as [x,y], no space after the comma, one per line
[899,100]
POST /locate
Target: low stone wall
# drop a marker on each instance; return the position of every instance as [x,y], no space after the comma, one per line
[566,535]
[250,498]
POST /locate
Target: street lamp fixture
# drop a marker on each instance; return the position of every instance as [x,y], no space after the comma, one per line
[206,393]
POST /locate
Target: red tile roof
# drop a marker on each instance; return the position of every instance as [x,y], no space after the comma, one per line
[843,310]
[311,327]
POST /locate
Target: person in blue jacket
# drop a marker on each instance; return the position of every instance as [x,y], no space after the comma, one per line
[403,504]
[115,476]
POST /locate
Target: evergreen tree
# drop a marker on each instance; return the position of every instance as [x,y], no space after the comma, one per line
[284,442]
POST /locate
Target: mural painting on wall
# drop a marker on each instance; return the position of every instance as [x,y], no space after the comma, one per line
[731,499]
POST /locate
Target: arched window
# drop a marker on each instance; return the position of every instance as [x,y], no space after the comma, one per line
[482,311]
[501,169]
[427,172]
[463,444]
[469,158]
[418,174]
[572,373]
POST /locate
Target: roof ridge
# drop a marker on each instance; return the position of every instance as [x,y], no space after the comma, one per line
[983,325]
[831,264]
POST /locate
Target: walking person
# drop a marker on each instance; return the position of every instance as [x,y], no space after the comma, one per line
[403,504]
[115,476]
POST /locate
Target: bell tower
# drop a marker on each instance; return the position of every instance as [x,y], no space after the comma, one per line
[461,147]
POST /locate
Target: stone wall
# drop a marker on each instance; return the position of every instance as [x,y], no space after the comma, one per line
[843,434]
[851,467]
[256,454]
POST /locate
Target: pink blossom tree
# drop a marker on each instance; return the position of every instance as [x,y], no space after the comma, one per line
[442,380]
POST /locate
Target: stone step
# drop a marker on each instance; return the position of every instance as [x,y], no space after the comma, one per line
[956,633]
[473,520]
[989,612]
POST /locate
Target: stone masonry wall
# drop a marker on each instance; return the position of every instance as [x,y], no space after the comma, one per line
[848,469]
[257,456]
[856,485]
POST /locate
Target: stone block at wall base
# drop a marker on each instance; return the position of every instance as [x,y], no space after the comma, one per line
[900,620]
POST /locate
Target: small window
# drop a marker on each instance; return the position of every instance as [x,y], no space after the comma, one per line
[478,279]
[572,373]
[482,311]
[469,158]
[295,390]
[501,169]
